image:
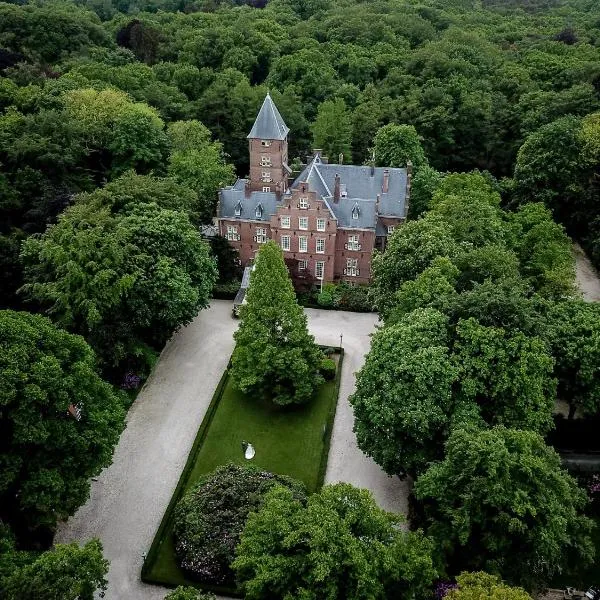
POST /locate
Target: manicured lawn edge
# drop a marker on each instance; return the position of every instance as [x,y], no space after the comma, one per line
[167,518]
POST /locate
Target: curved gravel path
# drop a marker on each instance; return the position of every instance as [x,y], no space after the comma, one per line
[128,500]
[586,276]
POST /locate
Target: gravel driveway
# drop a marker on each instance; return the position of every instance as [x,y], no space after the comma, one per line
[586,276]
[129,498]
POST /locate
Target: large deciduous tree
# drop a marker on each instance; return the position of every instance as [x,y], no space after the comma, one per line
[275,356]
[410,250]
[332,129]
[573,332]
[46,454]
[339,544]
[123,281]
[403,401]
[507,374]
[396,145]
[501,501]
[67,572]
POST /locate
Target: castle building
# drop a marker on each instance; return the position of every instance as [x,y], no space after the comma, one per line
[329,220]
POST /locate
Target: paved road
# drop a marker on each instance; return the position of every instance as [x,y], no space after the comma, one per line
[586,276]
[129,498]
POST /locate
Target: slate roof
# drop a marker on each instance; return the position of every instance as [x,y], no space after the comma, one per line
[269,124]
[231,197]
[361,190]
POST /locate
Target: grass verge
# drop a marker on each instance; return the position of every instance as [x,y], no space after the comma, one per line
[292,442]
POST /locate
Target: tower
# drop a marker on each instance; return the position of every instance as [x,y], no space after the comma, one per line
[268,144]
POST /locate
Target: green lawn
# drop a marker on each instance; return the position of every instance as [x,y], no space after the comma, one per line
[292,442]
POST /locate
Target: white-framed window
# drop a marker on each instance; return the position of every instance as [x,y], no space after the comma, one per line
[265,143]
[353,242]
[355,212]
[265,161]
[319,269]
[266,176]
[303,202]
[320,246]
[238,209]
[391,229]
[258,213]
[232,234]
[303,223]
[302,265]
[285,243]
[321,224]
[351,267]
[302,244]
[266,188]
[285,222]
[261,235]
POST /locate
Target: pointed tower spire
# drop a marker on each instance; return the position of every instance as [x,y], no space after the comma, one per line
[269,124]
[269,171]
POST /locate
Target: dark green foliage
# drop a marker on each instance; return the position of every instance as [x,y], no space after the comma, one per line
[275,356]
[210,518]
[328,369]
[188,593]
[501,501]
[48,456]
[336,544]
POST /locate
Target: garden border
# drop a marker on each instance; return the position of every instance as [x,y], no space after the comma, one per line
[167,517]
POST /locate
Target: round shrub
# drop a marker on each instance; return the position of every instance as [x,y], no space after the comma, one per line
[328,369]
[325,298]
[210,518]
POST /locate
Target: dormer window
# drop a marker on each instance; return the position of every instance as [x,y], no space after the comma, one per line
[355,212]
[238,209]
[259,211]
[265,143]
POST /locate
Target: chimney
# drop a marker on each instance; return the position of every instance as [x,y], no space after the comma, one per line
[377,203]
[372,169]
[409,170]
[385,188]
[336,189]
[341,159]
[247,188]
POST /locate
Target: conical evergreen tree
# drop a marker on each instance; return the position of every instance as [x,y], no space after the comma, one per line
[275,356]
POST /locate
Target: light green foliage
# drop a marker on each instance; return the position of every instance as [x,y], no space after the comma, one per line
[572,328]
[501,501]
[545,251]
[67,572]
[403,399]
[332,130]
[190,593]
[410,250]
[199,164]
[396,145]
[131,132]
[131,189]
[435,287]
[339,544]
[508,374]
[275,356]
[47,456]
[482,586]
[122,281]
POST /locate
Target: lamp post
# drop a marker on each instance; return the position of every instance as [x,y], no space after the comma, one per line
[341,337]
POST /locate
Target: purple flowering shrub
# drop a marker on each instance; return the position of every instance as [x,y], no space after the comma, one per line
[442,588]
[131,381]
[210,518]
